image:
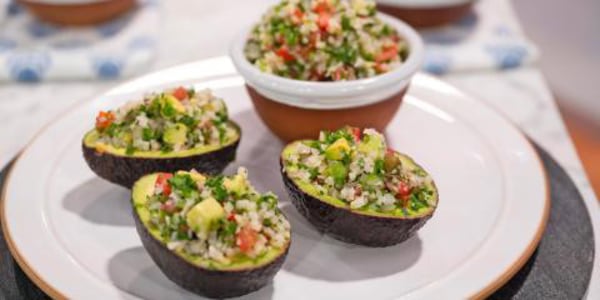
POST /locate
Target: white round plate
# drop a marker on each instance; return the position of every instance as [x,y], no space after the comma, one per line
[73,232]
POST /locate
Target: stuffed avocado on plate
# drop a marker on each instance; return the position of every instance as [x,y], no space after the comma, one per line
[164,132]
[216,236]
[349,185]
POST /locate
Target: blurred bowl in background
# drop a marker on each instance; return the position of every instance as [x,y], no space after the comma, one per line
[78,12]
[426,13]
[296,109]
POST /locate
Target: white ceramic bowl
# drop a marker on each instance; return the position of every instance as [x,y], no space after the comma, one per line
[333,95]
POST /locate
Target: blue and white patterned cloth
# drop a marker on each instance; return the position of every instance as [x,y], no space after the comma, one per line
[32,51]
[481,40]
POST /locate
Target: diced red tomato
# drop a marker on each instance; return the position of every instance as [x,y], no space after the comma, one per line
[403,189]
[323,20]
[298,14]
[321,7]
[337,74]
[355,133]
[104,119]
[380,68]
[231,217]
[162,182]
[403,194]
[169,206]
[180,93]
[246,238]
[388,53]
[324,12]
[284,53]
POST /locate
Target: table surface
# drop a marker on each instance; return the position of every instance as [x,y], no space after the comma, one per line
[192,33]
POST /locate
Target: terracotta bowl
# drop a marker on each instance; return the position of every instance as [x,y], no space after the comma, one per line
[426,13]
[78,12]
[296,109]
[284,120]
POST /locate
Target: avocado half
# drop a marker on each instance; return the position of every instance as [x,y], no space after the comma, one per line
[362,227]
[198,275]
[117,167]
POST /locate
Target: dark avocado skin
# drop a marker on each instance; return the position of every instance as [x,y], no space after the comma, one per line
[349,227]
[126,170]
[205,282]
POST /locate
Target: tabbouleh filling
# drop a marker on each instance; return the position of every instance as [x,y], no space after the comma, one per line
[325,40]
[173,120]
[358,169]
[221,218]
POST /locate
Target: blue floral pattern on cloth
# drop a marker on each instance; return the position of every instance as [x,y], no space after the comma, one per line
[32,50]
[13,8]
[507,56]
[39,29]
[483,39]
[437,63]
[28,67]
[107,67]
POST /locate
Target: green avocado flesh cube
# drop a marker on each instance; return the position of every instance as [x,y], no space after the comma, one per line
[370,180]
[203,215]
[196,177]
[237,185]
[337,150]
[372,144]
[338,171]
[176,134]
[174,103]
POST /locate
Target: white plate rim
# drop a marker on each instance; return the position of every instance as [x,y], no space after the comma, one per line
[129,85]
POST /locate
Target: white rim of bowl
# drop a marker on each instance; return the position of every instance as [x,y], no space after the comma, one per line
[314,89]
